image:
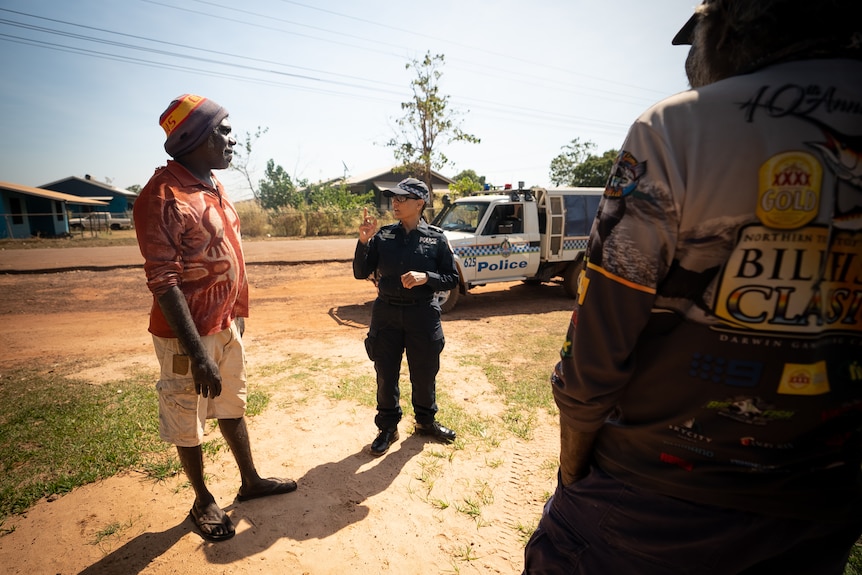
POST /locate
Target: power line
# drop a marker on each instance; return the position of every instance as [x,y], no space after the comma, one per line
[373,92]
[483,66]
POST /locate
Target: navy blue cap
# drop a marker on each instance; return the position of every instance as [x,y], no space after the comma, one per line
[410,187]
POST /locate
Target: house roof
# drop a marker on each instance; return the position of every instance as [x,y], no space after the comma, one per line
[51,195]
[377,175]
[91,181]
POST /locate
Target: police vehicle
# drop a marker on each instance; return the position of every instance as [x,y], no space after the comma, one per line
[533,235]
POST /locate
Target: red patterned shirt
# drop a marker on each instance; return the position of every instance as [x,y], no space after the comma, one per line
[189,235]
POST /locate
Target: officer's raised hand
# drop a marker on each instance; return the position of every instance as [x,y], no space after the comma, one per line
[368,227]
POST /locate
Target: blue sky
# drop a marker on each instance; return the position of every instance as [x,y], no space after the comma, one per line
[84,81]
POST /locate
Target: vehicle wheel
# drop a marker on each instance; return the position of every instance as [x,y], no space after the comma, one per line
[76,227]
[571,275]
[447,299]
[532,282]
[115,226]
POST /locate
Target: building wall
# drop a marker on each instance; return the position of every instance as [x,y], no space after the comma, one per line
[120,204]
[23,216]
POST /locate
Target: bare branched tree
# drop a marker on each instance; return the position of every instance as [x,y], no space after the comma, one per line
[242,158]
[427,119]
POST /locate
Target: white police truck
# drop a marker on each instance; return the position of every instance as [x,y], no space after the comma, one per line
[532,235]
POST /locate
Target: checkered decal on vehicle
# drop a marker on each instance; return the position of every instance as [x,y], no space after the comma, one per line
[575,244]
[493,250]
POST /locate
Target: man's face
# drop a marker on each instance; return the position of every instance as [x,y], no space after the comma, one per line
[707,62]
[220,146]
[696,67]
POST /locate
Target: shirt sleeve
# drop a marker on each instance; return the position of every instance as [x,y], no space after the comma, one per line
[365,258]
[630,249]
[446,277]
[161,226]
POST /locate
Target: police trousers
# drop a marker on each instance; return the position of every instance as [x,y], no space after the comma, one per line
[417,330]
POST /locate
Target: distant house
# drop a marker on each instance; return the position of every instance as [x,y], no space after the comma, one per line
[118,201]
[384,179]
[27,212]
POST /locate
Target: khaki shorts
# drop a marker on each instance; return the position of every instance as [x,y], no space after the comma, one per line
[182,412]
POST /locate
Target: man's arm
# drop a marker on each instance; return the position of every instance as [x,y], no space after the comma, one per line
[204,370]
[576,448]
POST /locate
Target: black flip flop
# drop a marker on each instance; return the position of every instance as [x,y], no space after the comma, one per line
[280,487]
[203,526]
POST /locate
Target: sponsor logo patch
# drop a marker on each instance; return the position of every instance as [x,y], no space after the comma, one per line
[789,190]
[804,379]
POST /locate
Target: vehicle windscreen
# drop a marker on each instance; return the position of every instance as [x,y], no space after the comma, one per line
[461,217]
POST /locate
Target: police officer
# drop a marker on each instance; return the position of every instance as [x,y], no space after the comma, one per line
[411,260]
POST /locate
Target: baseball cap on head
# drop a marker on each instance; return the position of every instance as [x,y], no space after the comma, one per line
[410,187]
[188,122]
[686,33]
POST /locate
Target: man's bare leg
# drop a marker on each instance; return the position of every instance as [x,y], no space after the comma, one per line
[253,485]
[210,518]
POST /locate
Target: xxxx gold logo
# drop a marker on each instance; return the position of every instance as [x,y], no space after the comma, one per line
[804,379]
[789,190]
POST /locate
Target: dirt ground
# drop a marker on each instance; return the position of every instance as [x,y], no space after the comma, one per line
[352,513]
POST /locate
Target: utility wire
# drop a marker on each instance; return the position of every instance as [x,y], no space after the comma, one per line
[518,112]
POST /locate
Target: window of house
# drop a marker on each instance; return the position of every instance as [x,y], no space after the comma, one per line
[17,210]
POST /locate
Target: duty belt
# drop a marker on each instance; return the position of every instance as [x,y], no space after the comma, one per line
[405,301]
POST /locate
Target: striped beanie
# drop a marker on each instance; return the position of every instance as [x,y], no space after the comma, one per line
[188,122]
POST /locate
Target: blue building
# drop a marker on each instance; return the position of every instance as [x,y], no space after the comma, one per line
[26,212]
[119,202]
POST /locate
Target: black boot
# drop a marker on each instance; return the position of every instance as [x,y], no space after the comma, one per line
[384,439]
[436,430]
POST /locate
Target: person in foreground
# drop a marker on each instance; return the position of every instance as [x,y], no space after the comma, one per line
[411,261]
[710,385]
[189,235]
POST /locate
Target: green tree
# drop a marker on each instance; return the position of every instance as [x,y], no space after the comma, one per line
[577,166]
[340,197]
[134,188]
[427,120]
[242,158]
[594,171]
[472,175]
[466,182]
[277,189]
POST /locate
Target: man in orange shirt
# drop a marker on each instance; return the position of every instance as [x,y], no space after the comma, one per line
[189,234]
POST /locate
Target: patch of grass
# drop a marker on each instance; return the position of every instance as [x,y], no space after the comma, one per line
[521,374]
[429,471]
[549,468]
[472,505]
[106,532]
[256,402]
[465,553]
[526,531]
[519,423]
[86,239]
[362,389]
[212,447]
[6,530]
[57,433]
[162,468]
